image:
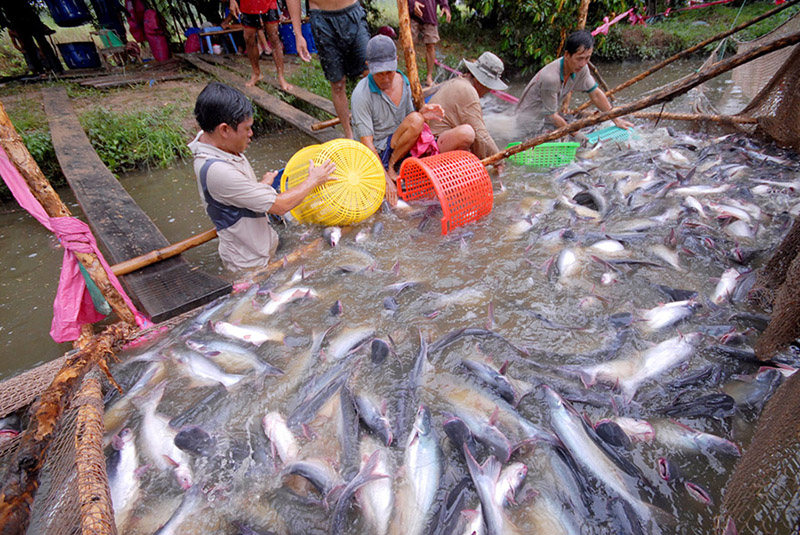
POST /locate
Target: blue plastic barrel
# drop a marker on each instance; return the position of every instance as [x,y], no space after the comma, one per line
[108,15]
[80,55]
[69,13]
[287,36]
[306,29]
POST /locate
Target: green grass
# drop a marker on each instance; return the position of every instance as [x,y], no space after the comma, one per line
[309,76]
[682,30]
[125,141]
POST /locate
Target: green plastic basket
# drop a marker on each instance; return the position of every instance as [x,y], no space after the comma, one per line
[612,133]
[546,154]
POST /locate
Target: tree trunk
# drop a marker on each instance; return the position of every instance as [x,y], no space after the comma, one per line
[583,12]
[22,477]
[407,44]
[50,201]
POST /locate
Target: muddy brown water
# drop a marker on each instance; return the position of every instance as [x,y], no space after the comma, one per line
[459,277]
[30,259]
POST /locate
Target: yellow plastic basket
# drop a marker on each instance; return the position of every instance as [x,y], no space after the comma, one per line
[354,196]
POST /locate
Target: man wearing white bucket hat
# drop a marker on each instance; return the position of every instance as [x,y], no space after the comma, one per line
[461,100]
[384,118]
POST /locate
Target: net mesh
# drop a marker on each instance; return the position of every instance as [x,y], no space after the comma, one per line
[763,494]
[771,83]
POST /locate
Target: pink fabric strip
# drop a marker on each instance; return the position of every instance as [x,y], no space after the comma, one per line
[73,305]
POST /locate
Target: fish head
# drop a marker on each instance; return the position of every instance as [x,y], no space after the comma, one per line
[196,345]
[698,493]
[667,469]
[517,474]
[455,428]
[553,398]
[422,423]
[184,476]
[122,439]
[692,338]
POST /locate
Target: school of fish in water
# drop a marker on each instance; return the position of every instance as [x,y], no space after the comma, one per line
[579,361]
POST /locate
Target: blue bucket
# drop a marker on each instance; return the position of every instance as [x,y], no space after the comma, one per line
[289,43]
[80,55]
[69,13]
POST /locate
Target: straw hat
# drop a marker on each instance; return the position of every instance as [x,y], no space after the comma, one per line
[487,70]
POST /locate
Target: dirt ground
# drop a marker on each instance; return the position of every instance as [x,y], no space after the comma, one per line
[180,93]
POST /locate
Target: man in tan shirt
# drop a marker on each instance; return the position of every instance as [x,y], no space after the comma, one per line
[236,200]
[461,100]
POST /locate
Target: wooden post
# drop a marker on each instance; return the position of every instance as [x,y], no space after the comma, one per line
[600,80]
[662,96]
[583,12]
[407,44]
[668,116]
[22,476]
[51,202]
[691,50]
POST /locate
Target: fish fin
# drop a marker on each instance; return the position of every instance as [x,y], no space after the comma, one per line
[730,528]
[587,378]
[495,416]
[142,469]
[504,367]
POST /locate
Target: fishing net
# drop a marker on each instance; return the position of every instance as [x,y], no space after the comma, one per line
[763,494]
[72,496]
[770,82]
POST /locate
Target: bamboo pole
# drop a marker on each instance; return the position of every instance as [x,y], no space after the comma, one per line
[316,127]
[583,12]
[50,201]
[657,115]
[600,80]
[690,51]
[128,266]
[22,476]
[295,255]
[664,95]
[407,44]
[97,514]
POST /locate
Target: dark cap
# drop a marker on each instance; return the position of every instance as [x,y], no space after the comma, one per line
[381,54]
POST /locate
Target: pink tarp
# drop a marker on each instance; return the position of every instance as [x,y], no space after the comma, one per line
[73,305]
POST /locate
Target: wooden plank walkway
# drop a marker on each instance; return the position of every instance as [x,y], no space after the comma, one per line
[300,120]
[305,95]
[162,290]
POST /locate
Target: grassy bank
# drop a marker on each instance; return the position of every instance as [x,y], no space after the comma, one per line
[682,30]
[125,137]
[659,39]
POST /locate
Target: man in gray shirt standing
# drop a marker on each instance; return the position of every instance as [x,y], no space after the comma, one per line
[537,110]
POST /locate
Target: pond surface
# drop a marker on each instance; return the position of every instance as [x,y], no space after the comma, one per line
[31,260]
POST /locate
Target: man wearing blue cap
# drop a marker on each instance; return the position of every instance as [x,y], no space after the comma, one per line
[384,118]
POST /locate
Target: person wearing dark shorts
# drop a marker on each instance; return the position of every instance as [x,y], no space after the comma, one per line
[255,15]
[341,35]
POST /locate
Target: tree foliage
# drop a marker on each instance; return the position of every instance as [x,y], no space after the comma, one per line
[531,33]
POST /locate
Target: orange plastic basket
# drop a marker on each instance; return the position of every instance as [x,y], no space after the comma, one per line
[457,179]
